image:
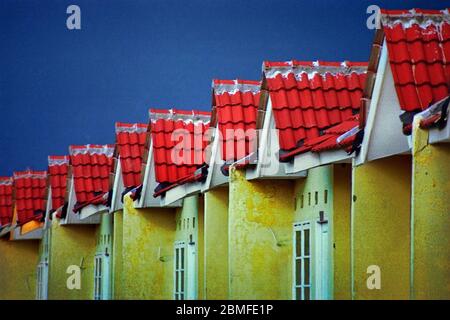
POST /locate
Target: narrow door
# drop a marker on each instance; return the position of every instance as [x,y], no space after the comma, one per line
[322,261]
[191,293]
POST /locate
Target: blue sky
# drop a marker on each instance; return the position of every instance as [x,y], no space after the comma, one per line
[61,87]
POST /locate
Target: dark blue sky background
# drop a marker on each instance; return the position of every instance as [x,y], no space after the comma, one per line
[61,87]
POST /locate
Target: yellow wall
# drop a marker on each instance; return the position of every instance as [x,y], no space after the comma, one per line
[381,226]
[341,197]
[147,252]
[117,291]
[431,218]
[18,261]
[71,245]
[260,232]
[216,244]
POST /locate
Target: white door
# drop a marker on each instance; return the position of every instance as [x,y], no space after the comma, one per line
[302,261]
[102,283]
[191,293]
[322,262]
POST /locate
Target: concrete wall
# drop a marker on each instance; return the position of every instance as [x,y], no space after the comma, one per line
[381,227]
[259,239]
[431,219]
[341,197]
[71,245]
[216,244]
[147,253]
[117,278]
[18,261]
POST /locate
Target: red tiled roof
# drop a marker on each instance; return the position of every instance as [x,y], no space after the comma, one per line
[91,166]
[418,43]
[57,168]
[6,200]
[236,104]
[131,140]
[310,97]
[179,143]
[30,190]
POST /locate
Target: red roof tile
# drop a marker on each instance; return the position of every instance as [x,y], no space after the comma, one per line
[57,168]
[30,195]
[6,200]
[310,97]
[418,43]
[236,104]
[131,140]
[339,136]
[179,142]
[91,166]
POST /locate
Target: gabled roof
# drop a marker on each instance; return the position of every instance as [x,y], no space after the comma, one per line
[131,140]
[91,167]
[309,98]
[6,200]
[179,141]
[58,167]
[30,195]
[234,111]
[418,43]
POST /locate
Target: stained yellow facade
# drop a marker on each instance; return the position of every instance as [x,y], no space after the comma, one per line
[431,218]
[71,245]
[381,211]
[260,238]
[216,244]
[18,261]
[147,252]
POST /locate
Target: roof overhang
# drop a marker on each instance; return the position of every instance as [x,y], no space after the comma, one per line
[310,160]
[268,165]
[32,230]
[435,134]
[6,229]
[147,200]
[383,132]
[90,214]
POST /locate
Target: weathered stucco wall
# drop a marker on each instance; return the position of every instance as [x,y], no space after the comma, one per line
[259,243]
[71,245]
[117,291]
[147,253]
[216,244]
[431,218]
[381,211]
[341,199]
[18,261]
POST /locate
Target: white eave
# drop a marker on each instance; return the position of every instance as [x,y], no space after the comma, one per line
[310,160]
[88,215]
[268,165]
[215,176]
[118,189]
[35,234]
[439,135]
[383,133]
[147,200]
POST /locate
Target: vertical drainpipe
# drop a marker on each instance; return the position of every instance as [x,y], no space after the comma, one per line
[105,247]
